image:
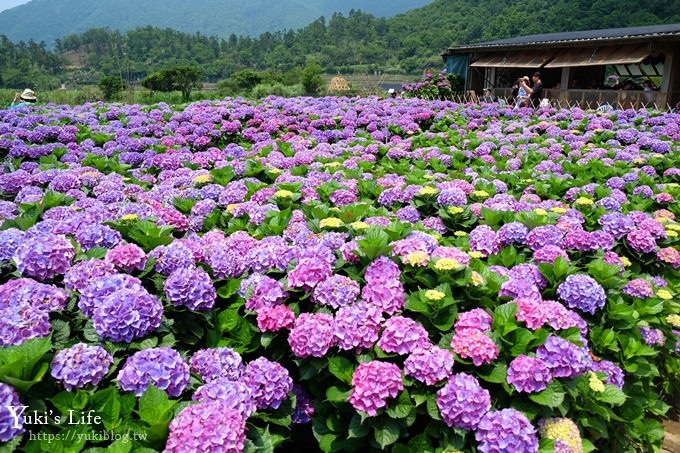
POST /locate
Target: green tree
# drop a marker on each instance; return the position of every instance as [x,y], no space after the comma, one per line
[182,78]
[111,87]
[311,78]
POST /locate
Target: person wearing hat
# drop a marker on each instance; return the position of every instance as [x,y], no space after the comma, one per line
[522,96]
[23,99]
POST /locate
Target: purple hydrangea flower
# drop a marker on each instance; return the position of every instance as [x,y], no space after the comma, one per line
[429,365]
[9,428]
[190,287]
[638,288]
[261,291]
[162,367]
[402,335]
[512,233]
[217,363]
[127,315]
[462,402]
[45,256]
[549,254]
[10,239]
[652,337]
[357,326]
[273,319]
[372,384]
[474,319]
[172,257]
[528,374]
[520,289]
[79,276]
[641,241]
[582,292]
[506,430]
[233,395]
[127,257]
[564,358]
[206,427]
[484,239]
[304,409]
[21,322]
[269,383]
[614,372]
[543,236]
[81,365]
[474,344]
[101,287]
[97,235]
[336,291]
[312,335]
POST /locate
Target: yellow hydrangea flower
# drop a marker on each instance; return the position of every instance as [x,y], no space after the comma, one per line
[433,294]
[673,320]
[283,193]
[330,222]
[558,210]
[418,258]
[480,193]
[540,211]
[333,164]
[626,262]
[460,234]
[639,160]
[673,226]
[666,295]
[129,217]
[447,264]
[583,201]
[476,254]
[477,279]
[203,179]
[231,207]
[360,225]
[427,190]
[595,383]
[671,233]
[453,210]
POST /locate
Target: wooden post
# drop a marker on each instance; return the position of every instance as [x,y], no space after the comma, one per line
[564,84]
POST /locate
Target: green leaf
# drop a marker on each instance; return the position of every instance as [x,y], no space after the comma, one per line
[223,175]
[552,396]
[374,244]
[155,406]
[356,428]
[611,395]
[432,409]
[386,432]
[498,375]
[106,404]
[336,395]
[341,368]
[228,290]
[403,406]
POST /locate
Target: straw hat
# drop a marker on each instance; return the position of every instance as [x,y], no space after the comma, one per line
[28,95]
[526,79]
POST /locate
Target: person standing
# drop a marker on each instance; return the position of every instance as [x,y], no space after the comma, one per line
[23,99]
[536,90]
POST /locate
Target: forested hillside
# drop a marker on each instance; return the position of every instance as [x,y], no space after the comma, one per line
[358,42]
[46,20]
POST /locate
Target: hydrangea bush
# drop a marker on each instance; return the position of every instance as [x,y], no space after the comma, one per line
[338,274]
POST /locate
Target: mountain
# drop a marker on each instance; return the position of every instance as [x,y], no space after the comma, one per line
[47,20]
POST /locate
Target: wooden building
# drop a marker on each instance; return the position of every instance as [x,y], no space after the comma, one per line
[592,68]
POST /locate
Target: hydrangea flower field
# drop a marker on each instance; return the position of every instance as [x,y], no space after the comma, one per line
[337,274]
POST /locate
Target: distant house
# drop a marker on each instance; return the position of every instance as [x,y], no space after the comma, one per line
[591,67]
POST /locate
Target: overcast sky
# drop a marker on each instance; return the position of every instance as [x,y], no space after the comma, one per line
[7,4]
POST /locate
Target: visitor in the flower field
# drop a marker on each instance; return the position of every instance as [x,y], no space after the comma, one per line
[535,91]
[522,95]
[23,99]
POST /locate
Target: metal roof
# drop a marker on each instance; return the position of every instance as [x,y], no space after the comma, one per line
[587,36]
